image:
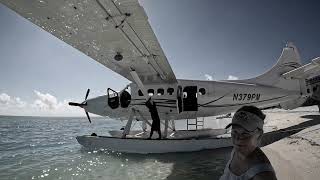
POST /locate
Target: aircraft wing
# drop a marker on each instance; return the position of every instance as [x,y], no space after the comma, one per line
[116,33]
[304,71]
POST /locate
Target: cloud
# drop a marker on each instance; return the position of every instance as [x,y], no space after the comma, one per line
[44,104]
[230,77]
[4,98]
[11,105]
[208,77]
[45,101]
[47,104]
[18,102]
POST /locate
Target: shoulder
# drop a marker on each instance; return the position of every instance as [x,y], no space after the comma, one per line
[261,168]
[268,175]
[259,157]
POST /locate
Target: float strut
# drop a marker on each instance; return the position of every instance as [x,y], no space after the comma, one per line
[173,125]
[126,130]
[144,126]
[166,123]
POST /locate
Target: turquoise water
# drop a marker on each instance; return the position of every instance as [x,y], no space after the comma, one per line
[46,148]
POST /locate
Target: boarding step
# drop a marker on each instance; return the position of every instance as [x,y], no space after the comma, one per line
[197,123]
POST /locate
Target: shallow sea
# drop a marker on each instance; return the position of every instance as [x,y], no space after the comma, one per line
[46,148]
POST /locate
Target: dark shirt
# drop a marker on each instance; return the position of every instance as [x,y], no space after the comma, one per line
[154,115]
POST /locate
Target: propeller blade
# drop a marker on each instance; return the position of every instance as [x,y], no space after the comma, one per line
[88,116]
[88,91]
[75,104]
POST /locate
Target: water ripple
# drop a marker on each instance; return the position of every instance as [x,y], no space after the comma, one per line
[46,148]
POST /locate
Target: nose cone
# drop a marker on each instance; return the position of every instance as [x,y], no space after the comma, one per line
[78,104]
[97,105]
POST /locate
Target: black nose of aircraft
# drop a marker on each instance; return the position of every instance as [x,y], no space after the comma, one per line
[77,104]
[82,104]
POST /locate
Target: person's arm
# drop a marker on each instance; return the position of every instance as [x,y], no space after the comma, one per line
[149,103]
[268,175]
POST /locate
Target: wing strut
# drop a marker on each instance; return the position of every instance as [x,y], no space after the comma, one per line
[135,41]
[138,81]
[153,63]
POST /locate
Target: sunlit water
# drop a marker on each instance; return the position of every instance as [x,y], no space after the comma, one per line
[46,148]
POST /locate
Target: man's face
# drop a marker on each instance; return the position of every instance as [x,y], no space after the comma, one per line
[244,141]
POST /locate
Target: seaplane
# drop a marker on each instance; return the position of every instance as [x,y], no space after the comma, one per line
[117,34]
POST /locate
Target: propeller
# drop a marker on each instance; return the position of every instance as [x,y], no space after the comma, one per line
[88,116]
[87,94]
[82,104]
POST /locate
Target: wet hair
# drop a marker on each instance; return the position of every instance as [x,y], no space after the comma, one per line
[254,110]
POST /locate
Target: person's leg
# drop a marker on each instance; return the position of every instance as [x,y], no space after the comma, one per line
[151,133]
[159,132]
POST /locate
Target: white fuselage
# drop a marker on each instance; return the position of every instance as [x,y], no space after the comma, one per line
[195,99]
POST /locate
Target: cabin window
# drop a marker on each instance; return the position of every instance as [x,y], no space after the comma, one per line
[140,93]
[160,92]
[308,90]
[150,92]
[202,91]
[170,91]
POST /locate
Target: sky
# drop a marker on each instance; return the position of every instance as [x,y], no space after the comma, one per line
[202,39]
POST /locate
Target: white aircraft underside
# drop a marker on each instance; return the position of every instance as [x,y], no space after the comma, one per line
[117,34]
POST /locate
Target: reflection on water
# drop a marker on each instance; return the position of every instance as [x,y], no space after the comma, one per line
[46,148]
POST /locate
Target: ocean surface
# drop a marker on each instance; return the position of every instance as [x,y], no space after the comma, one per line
[46,148]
